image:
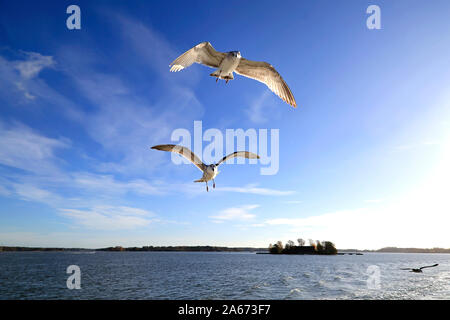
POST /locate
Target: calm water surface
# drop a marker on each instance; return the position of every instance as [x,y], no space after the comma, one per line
[188,275]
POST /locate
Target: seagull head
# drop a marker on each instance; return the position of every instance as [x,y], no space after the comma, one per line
[236,54]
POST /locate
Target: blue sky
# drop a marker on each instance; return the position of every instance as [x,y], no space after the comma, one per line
[363,160]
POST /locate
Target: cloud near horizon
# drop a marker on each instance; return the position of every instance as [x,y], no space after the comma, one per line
[109,217]
[241,213]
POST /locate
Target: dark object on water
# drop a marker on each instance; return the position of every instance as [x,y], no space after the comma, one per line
[349,253]
[420,269]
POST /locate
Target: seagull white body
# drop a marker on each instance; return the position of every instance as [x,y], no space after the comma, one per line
[227,66]
[226,63]
[210,171]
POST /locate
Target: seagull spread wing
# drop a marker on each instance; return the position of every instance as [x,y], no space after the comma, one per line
[185,152]
[244,154]
[266,73]
[203,53]
[434,265]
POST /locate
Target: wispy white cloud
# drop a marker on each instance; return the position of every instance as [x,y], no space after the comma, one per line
[23,148]
[110,218]
[262,108]
[21,87]
[32,193]
[108,184]
[236,213]
[149,45]
[253,189]
[257,225]
[17,75]
[33,64]
[21,84]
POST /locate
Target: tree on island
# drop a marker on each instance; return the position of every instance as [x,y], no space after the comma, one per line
[290,244]
[329,248]
[319,246]
[316,247]
[276,248]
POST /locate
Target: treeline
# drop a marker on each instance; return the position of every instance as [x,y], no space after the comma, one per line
[315,247]
[144,248]
[400,250]
[5,249]
[183,248]
[413,250]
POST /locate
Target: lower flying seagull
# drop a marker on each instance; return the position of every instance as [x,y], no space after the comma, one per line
[420,269]
[209,171]
[226,63]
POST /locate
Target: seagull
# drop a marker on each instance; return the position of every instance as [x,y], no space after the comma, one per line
[228,62]
[209,171]
[419,269]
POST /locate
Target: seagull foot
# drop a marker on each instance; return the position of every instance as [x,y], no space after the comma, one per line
[227,81]
[217,79]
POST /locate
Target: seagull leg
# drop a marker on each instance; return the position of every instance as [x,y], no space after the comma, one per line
[227,81]
[217,79]
[207,189]
[214,184]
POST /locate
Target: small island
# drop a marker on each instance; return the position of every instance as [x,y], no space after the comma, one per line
[315,247]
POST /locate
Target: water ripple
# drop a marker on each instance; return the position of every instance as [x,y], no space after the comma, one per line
[164,275]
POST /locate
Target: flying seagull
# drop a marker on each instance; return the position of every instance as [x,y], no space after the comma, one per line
[228,62]
[420,269]
[209,171]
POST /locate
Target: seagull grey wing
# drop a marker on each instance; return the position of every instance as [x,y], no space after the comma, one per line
[185,152]
[244,154]
[434,265]
[266,73]
[203,53]
[405,269]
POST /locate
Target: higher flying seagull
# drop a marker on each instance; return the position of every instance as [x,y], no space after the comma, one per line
[420,269]
[228,62]
[209,171]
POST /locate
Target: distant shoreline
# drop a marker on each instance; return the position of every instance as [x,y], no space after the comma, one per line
[400,250]
[138,249]
[210,249]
